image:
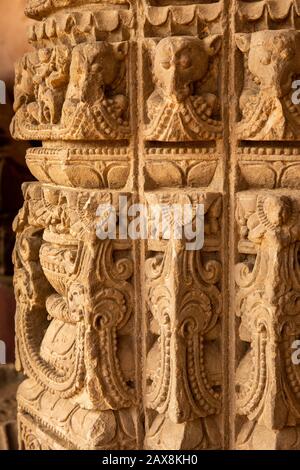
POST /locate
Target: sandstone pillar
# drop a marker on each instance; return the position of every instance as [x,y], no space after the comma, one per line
[78,317]
[131,344]
[265,183]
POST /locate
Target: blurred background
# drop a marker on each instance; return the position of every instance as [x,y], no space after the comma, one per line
[13,172]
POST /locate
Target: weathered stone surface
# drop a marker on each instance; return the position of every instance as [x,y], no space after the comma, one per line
[131,344]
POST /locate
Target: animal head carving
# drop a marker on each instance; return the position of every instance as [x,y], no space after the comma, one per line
[178,62]
[93,67]
[273,58]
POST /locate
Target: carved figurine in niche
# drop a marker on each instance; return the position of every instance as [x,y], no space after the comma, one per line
[268,295]
[41,83]
[24,88]
[96,98]
[52,76]
[78,94]
[183,105]
[272,63]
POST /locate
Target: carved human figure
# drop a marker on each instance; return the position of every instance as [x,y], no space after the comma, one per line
[268,305]
[272,63]
[41,83]
[51,78]
[24,91]
[177,109]
[77,93]
[52,89]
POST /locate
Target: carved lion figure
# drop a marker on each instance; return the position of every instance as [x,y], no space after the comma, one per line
[177,110]
[272,64]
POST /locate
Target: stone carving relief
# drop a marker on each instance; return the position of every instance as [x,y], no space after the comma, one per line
[41,83]
[191,167]
[92,167]
[79,307]
[77,428]
[183,377]
[50,252]
[271,65]
[12,174]
[177,110]
[267,304]
[166,18]
[278,168]
[83,97]
[267,14]
[38,9]
[82,26]
[166,102]
[267,208]
[71,330]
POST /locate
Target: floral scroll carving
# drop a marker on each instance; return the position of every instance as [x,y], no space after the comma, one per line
[139,343]
[183,378]
[72,323]
[266,209]
[268,111]
[76,308]
[116,92]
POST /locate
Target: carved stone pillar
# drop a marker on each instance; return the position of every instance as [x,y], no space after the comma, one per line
[77,312]
[265,184]
[184,149]
[131,343]
[184,304]
[82,302]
